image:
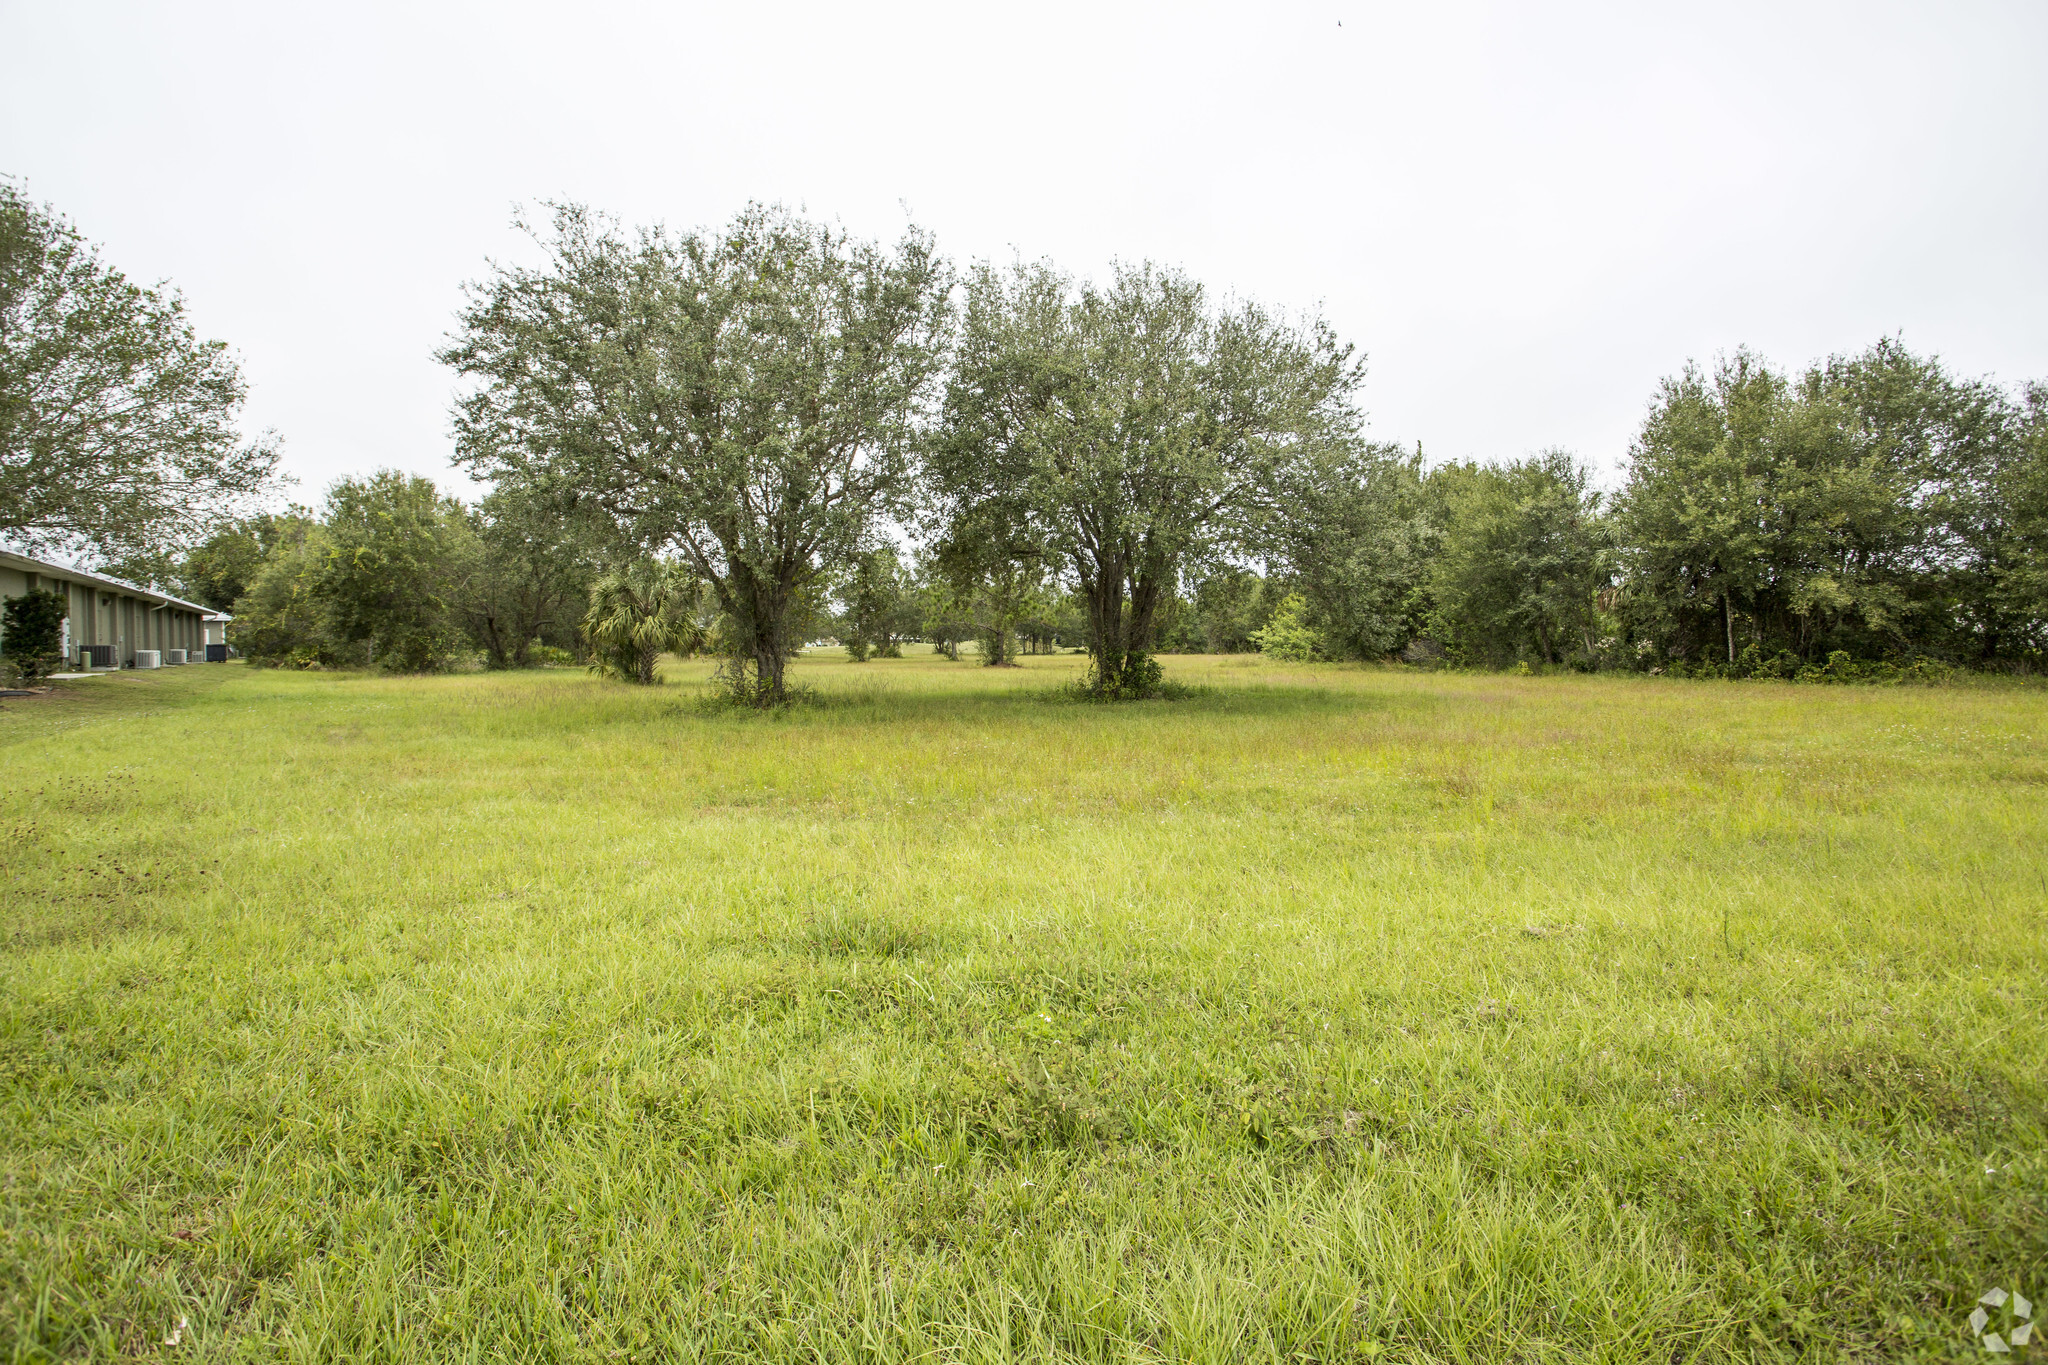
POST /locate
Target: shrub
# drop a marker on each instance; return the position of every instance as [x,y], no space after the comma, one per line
[32,633]
[1139,679]
[1840,668]
[1288,635]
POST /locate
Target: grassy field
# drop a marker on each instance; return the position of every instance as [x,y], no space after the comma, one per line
[1329,1014]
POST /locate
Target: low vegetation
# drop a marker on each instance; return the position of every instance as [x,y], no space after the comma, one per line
[1324,1014]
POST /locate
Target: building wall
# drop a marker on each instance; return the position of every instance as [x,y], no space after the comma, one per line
[101,614]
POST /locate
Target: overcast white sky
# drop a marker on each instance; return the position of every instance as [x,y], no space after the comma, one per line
[1524,214]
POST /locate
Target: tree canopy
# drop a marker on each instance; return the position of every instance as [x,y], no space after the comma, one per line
[749,398]
[1520,561]
[118,438]
[1132,430]
[1863,507]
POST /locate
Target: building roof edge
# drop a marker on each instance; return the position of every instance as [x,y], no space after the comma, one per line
[27,562]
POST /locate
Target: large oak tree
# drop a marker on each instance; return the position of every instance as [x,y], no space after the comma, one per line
[748,397]
[1132,431]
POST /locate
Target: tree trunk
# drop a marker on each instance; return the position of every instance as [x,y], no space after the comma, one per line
[1119,629]
[760,607]
[1105,594]
[767,689]
[1728,620]
[769,656]
[494,643]
[1144,606]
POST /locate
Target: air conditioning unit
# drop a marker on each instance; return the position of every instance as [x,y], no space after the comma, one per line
[149,658]
[174,656]
[96,656]
[216,654]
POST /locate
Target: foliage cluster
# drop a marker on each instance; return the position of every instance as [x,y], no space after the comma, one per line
[1287,635]
[1874,505]
[1125,434]
[639,613]
[747,400]
[117,420]
[392,573]
[880,607]
[32,634]
[1873,518]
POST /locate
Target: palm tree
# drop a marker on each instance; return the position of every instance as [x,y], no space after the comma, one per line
[639,612]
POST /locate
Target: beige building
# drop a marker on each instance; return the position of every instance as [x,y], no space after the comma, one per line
[113,624]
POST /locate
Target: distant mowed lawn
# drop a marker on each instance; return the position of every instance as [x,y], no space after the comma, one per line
[1328,1014]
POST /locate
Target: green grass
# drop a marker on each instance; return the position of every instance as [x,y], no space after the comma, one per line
[1329,1014]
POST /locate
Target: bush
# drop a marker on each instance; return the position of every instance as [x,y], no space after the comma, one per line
[1288,635]
[1839,669]
[32,633]
[1751,663]
[1138,678]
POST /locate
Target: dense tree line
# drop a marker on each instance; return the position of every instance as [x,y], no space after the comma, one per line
[1872,509]
[744,439]
[1875,509]
[1131,469]
[391,572]
[1153,471]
